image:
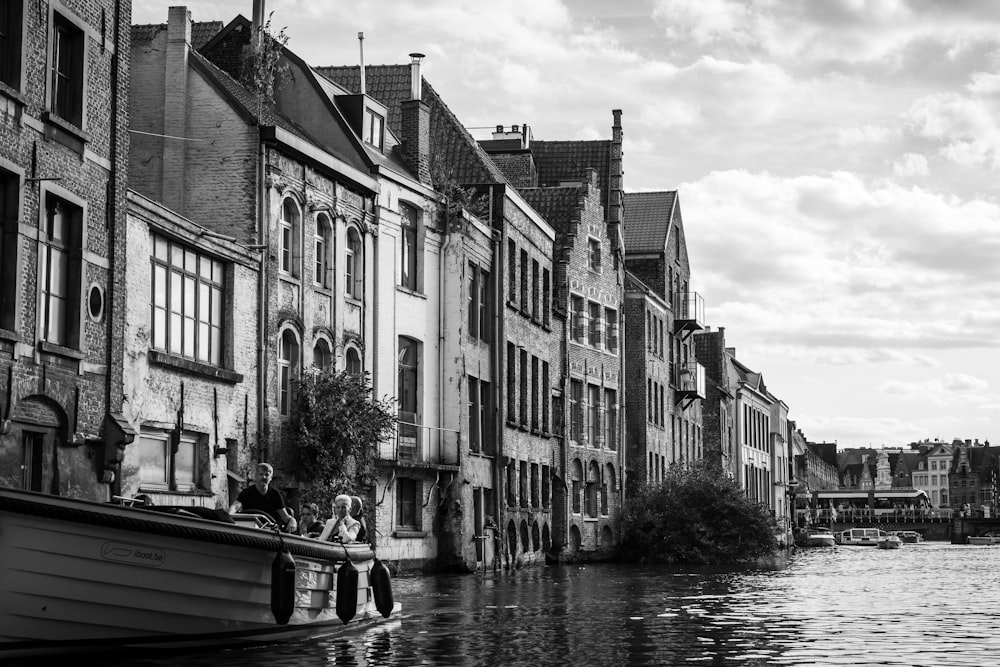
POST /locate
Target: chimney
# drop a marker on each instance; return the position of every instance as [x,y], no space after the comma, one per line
[415,144]
[361,48]
[175,101]
[615,185]
[257,22]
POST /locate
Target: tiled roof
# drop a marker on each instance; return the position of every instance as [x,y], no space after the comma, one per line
[647,220]
[201,33]
[559,206]
[565,161]
[390,85]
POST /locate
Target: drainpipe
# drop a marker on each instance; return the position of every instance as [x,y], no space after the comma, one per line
[496,370]
[264,239]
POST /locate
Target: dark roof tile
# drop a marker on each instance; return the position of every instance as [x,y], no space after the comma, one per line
[647,220]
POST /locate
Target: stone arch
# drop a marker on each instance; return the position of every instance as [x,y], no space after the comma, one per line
[607,537]
[575,539]
[536,542]
[525,541]
[546,538]
[511,538]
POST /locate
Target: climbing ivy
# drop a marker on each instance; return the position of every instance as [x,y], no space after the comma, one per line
[336,427]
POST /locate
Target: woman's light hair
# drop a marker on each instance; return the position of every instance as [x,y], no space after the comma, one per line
[343,498]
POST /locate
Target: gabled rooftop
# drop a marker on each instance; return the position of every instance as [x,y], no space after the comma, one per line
[647,220]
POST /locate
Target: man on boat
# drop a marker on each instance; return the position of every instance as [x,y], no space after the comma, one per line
[263,498]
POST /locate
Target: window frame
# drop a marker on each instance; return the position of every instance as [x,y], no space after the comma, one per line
[214,283]
[594,254]
[353,264]
[288,365]
[374,128]
[323,249]
[169,444]
[67,90]
[409,247]
[11,52]
[10,258]
[408,495]
[289,233]
[68,333]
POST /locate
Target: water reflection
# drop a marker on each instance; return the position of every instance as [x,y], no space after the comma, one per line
[927,604]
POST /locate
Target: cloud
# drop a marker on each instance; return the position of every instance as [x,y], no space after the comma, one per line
[910,164]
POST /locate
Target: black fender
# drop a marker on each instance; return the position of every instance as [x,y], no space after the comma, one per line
[347,592]
[381,587]
[282,587]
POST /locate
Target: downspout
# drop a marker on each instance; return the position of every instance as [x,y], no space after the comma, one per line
[264,240]
[442,279]
[113,247]
[496,374]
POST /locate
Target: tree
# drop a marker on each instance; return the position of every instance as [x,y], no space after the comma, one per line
[261,72]
[698,515]
[336,428]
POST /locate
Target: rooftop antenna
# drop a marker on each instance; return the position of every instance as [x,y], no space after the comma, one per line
[361,48]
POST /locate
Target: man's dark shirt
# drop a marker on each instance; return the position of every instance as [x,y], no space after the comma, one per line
[252,499]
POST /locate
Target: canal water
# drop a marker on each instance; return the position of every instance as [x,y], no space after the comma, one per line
[931,604]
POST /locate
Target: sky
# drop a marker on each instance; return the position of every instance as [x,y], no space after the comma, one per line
[837,165]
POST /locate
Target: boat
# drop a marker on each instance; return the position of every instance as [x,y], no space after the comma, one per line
[820,536]
[984,540]
[889,542]
[79,576]
[908,536]
[862,537]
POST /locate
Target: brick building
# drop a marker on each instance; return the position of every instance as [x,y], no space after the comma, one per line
[587,298]
[302,194]
[665,383]
[189,390]
[718,408]
[64,95]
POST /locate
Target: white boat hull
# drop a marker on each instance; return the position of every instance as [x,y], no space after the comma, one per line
[984,540]
[75,575]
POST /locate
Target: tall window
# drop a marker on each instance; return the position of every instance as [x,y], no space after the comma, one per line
[579,319]
[288,228]
[353,265]
[611,330]
[408,247]
[322,241]
[68,56]
[523,407]
[546,390]
[576,410]
[9,188]
[61,257]
[534,289]
[479,302]
[596,325]
[288,369]
[534,392]
[187,301]
[475,417]
[374,125]
[546,297]
[409,362]
[511,271]
[10,43]
[352,361]
[168,461]
[594,415]
[524,281]
[321,354]
[408,503]
[511,383]
[610,419]
[594,253]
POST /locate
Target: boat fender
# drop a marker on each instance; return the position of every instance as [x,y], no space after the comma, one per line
[381,588]
[282,587]
[347,592]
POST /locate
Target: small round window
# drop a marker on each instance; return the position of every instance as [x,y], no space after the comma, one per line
[95,303]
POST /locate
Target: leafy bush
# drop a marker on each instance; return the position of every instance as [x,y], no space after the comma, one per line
[337,426]
[698,515]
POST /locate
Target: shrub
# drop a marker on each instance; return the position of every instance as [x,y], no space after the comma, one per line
[698,515]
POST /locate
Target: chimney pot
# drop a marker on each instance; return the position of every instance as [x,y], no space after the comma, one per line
[415,82]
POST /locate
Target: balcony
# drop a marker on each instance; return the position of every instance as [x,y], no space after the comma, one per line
[419,446]
[689,383]
[689,312]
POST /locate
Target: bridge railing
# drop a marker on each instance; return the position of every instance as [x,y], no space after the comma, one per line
[826,517]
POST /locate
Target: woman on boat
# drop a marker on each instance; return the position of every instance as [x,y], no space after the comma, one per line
[309,524]
[356,506]
[342,527]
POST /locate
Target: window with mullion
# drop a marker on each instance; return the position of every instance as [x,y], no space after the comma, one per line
[67,70]
[9,198]
[475,436]
[10,42]
[187,294]
[61,271]
[408,249]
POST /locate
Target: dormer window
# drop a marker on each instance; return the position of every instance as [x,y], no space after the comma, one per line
[374,128]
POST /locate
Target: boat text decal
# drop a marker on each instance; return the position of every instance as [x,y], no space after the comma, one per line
[134,554]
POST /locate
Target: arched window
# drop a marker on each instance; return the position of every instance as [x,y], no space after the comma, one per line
[324,234]
[353,361]
[576,480]
[288,370]
[289,227]
[354,265]
[409,360]
[590,490]
[321,354]
[408,250]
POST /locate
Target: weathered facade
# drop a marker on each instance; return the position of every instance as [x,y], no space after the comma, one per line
[189,390]
[718,408]
[64,94]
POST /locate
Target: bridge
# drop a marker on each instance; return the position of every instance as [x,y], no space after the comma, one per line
[944,524]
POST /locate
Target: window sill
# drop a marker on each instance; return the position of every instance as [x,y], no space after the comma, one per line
[194,367]
[65,132]
[60,351]
[7,334]
[12,94]
[412,292]
[409,534]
